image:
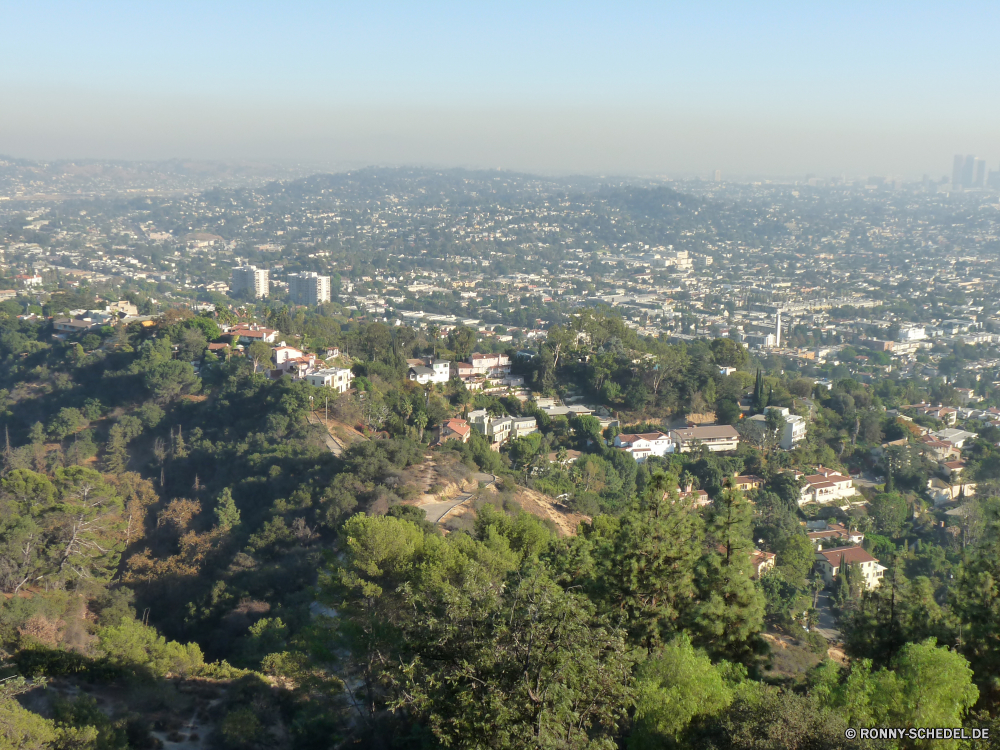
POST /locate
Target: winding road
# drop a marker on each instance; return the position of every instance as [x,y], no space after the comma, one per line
[438,512]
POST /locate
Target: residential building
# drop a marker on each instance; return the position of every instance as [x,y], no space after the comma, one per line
[761,562]
[429,370]
[247,334]
[6,294]
[308,288]
[956,437]
[495,429]
[454,429]
[490,365]
[251,279]
[74,325]
[521,426]
[645,444]
[939,450]
[826,486]
[717,438]
[831,562]
[336,378]
[942,492]
[793,433]
[747,482]
[952,469]
[28,280]
[834,534]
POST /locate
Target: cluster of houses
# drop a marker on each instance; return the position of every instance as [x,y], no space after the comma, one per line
[480,373]
[943,446]
[82,321]
[496,429]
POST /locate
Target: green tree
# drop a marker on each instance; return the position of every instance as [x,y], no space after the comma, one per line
[673,687]
[889,511]
[258,353]
[67,421]
[226,513]
[115,454]
[647,576]
[167,380]
[461,340]
[729,353]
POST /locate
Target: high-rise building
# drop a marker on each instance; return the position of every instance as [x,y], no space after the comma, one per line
[968,171]
[980,176]
[251,278]
[718,175]
[956,171]
[777,329]
[308,288]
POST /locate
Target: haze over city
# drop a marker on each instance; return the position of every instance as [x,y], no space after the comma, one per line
[778,90]
[480,376]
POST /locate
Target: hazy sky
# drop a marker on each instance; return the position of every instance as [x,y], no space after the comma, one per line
[749,88]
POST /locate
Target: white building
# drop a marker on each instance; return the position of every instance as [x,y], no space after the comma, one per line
[337,378]
[251,278]
[794,431]
[912,333]
[495,429]
[308,288]
[490,365]
[831,561]
[645,444]
[826,486]
[429,370]
[521,426]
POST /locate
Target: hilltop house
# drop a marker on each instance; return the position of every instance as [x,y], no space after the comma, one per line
[429,370]
[717,438]
[645,444]
[831,561]
[337,378]
[454,429]
[835,534]
[825,486]
[794,431]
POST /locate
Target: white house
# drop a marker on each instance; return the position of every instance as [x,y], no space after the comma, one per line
[826,486]
[490,365]
[830,562]
[337,378]
[794,431]
[429,370]
[521,426]
[645,444]
[495,429]
[942,492]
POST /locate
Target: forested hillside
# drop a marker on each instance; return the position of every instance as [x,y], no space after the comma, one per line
[181,542]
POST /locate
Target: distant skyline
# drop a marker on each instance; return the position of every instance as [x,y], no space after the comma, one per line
[637,88]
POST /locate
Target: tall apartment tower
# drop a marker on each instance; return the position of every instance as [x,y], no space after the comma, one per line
[308,288]
[968,171]
[251,278]
[980,176]
[777,329]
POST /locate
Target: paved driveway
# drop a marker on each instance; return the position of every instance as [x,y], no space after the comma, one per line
[827,626]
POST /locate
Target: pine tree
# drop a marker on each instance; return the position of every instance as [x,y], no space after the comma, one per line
[115,455]
[648,576]
[226,512]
